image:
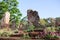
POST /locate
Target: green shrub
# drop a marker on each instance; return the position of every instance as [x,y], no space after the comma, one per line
[48,36]
[26,36]
[31,28]
[55,37]
[5,32]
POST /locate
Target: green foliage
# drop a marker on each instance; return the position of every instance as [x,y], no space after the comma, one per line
[55,36]
[42,22]
[58,28]
[26,36]
[11,6]
[31,28]
[50,29]
[49,37]
[24,20]
[16,31]
[5,32]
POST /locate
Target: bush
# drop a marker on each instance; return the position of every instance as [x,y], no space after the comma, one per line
[26,36]
[56,37]
[31,28]
[49,37]
[5,33]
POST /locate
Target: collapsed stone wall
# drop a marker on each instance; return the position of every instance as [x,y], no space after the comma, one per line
[33,18]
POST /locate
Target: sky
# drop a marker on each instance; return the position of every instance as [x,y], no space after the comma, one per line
[45,8]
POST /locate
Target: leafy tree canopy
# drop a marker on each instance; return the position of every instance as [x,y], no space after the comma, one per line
[11,6]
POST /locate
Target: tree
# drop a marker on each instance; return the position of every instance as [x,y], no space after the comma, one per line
[25,25]
[11,6]
[24,20]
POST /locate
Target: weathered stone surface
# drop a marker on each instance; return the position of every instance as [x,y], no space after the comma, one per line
[13,25]
[33,18]
[7,17]
[5,20]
